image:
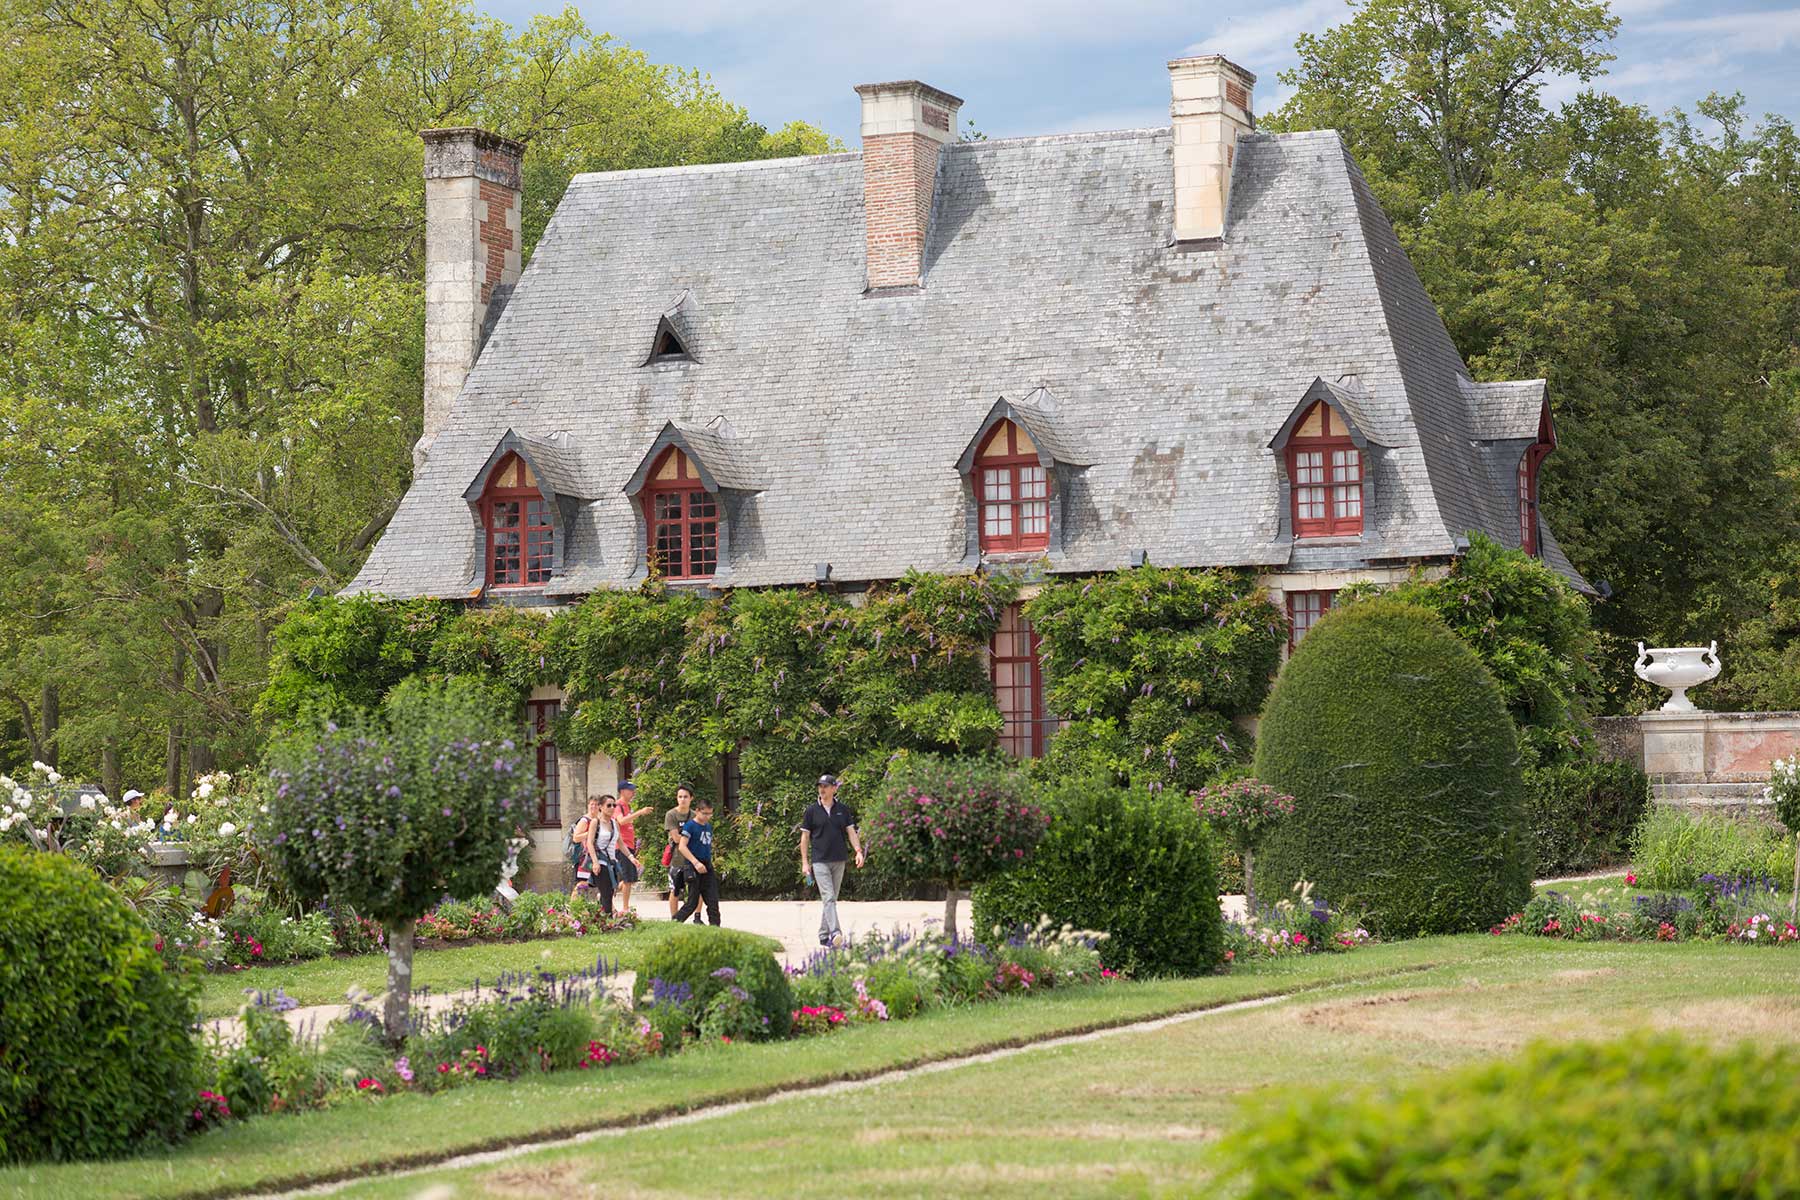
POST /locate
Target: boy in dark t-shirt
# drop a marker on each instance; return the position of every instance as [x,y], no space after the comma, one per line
[696,851]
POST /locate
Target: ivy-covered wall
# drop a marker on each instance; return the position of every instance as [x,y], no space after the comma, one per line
[1149,665]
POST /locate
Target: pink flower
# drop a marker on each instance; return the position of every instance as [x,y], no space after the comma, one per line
[1631,877]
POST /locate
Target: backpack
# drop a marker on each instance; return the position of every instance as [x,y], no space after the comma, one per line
[573,850]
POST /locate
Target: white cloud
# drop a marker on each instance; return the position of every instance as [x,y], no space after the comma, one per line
[1746,32]
[1269,35]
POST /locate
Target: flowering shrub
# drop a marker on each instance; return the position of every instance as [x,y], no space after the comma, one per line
[1720,908]
[43,812]
[1763,929]
[954,822]
[1784,791]
[209,1110]
[1244,810]
[1011,977]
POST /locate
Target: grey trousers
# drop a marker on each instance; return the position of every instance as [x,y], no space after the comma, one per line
[830,878]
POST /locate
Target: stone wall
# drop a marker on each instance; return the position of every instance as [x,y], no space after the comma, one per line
[1705,761]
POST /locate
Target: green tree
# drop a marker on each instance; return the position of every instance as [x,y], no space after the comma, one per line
[386,815]
[211,238]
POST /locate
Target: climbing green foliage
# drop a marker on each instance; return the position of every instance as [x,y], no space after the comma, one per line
[1532,631]
[1394,742]
[1149,666]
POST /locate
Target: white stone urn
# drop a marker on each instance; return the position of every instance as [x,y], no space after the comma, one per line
[1678,668]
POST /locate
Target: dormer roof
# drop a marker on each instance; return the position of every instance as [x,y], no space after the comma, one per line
[724,463]
[1036,415]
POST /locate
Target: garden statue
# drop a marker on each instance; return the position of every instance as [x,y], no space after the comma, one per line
[1678,668]
[508,868]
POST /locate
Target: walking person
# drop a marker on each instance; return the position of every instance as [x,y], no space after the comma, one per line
[591,870]
[673,820]
[631,867]
[696,849]
[827,835]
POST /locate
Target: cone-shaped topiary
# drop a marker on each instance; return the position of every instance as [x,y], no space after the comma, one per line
[1396,745]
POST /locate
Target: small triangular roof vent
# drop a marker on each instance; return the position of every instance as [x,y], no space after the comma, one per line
[668,345]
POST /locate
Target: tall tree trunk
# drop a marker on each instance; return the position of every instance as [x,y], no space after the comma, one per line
[398,1001]
[172,753]
[951,895]
[112,775]
[50,716]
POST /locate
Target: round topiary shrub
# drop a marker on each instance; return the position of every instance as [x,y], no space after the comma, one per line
[97,1052]
[708,960]
[1395,743]
[1643,1116]
[1139,866]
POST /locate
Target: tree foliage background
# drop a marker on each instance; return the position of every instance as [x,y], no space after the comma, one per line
[1648,268]
[211,240]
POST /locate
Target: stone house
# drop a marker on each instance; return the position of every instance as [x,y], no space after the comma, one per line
[1193,345]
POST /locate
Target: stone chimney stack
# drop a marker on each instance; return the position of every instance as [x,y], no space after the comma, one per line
[472,247]
[1210,109]
[903,126]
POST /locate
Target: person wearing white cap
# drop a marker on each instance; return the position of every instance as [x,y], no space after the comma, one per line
[824,832]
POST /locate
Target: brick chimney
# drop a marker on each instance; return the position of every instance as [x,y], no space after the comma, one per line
[472,246]
[1210,109]
[903,126]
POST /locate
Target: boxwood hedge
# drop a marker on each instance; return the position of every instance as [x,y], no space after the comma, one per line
[97,1050]
[693,954]
[1396,744]
[1140,866]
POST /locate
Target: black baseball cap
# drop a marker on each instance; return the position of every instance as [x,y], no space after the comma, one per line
[828,781]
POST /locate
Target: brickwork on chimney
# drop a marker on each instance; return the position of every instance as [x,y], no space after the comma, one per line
[903,126]
[899,177]
[497,234]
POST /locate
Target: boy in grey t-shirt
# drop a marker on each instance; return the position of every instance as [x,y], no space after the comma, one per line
[673,820]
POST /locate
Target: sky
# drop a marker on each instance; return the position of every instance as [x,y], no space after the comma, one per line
[1053,66]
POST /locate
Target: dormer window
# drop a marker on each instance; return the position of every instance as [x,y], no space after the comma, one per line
[667,346]
[1325,473]
[1012,492]
[520,534]
[1528,497]
[681,519]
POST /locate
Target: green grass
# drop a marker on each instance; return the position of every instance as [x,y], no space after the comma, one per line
[282,1151]
[326,980]
[1141,1114]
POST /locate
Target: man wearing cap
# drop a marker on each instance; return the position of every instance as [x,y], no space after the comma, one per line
[826,831]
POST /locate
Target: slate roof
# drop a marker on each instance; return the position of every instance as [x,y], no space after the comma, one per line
[1049,265]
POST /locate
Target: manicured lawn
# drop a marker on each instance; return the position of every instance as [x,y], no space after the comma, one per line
[282,1151]
[1605,881]
[325,980]
[1140,1114]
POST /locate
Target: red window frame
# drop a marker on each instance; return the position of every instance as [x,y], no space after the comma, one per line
[540,716]
[520,541]
[1012,492]
[1325,474]
[681,521]
[1304,610]
[1528,502]
[1018,679]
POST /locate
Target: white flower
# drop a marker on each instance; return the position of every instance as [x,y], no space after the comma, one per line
[205,789]
[87,802]
[227,829]
[192,817]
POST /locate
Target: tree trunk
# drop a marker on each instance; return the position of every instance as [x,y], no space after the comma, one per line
[50,714]
[1249,881]
[112,775]
[951,895]
[398,1001]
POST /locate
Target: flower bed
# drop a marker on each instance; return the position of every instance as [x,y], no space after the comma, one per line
[1749,909]
[1300,924]
[538,1022]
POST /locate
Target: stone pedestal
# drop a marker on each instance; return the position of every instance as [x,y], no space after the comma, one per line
[1706,760]
[169,862]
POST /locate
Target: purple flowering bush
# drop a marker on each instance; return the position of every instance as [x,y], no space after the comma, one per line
[954,822]
[388,814]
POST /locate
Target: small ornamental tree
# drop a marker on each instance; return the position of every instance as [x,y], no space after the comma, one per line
[1784,790]
[955,822]
[388,814]
[1244,811]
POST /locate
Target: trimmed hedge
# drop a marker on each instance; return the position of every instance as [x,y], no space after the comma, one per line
[1644,1116]
[693,953]
[1581,814]
[97,1051]
[1139,866]
[1396,745]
